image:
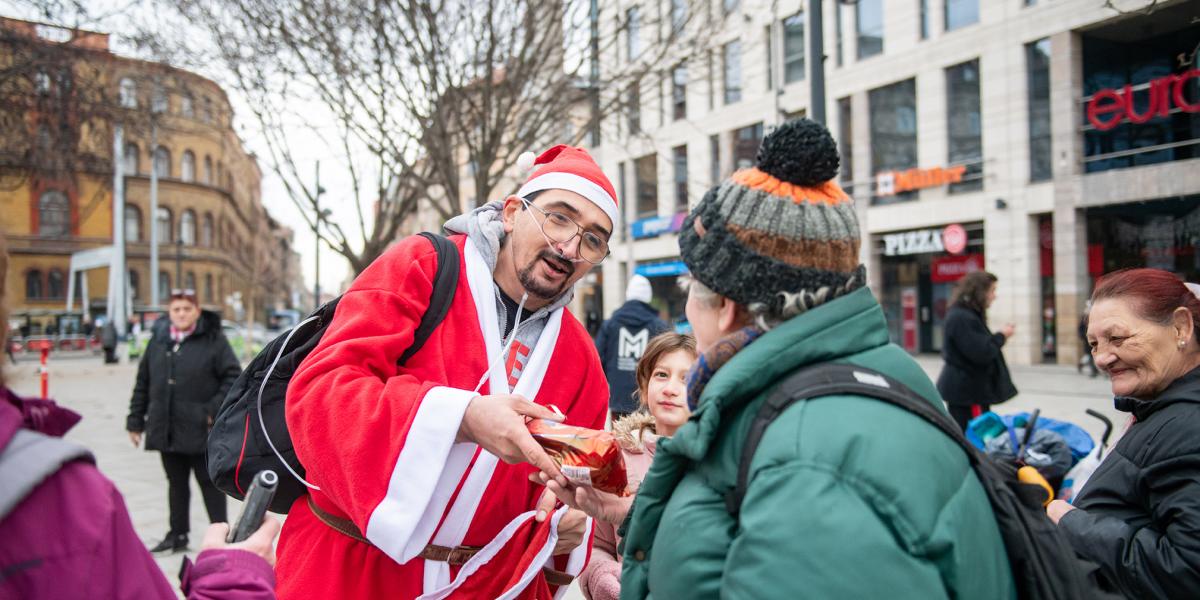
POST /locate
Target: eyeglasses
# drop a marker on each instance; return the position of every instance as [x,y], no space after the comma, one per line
[185,294]
[558,228]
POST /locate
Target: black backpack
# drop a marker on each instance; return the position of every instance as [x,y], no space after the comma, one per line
[237,446]
[1044,566]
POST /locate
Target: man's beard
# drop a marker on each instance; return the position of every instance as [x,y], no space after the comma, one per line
[542,290]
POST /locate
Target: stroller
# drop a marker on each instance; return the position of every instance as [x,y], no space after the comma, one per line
[1063,453]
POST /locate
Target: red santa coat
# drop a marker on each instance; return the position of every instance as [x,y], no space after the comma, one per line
[379,441]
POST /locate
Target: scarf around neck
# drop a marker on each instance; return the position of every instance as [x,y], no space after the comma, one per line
[714,358]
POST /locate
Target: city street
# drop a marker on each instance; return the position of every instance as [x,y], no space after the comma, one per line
[101,394]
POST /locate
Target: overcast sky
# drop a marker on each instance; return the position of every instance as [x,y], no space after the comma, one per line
[114,18]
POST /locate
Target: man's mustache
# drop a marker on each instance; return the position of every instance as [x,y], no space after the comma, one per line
[557,259]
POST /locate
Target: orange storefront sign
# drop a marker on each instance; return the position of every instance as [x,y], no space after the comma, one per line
[890,183]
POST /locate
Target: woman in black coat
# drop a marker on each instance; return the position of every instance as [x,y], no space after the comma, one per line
[187,368]
[1138,515]
[975,375]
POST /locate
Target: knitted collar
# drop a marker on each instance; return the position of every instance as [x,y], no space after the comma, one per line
[714,358]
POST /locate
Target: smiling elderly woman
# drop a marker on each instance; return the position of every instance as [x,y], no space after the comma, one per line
[1138,516]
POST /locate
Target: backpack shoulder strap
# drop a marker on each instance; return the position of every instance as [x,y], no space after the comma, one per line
[30,458]
[445,280]
[828,379]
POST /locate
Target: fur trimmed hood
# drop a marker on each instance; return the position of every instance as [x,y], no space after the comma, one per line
[632,430]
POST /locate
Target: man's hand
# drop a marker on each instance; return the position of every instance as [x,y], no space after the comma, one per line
[261,542]
[571,528]
[1057,509]
[136,438]
[606,507]
[1008,330]
[497,423]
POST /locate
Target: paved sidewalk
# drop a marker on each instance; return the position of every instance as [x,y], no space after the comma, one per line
[101,393]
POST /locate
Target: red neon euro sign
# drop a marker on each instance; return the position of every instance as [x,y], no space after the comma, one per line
[1109,107]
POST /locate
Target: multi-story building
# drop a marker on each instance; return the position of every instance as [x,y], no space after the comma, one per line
[214,234]
[1046,141]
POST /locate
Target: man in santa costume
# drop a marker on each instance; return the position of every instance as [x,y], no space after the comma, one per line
[423,470]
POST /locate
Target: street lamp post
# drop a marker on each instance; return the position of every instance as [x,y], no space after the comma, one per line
[179,261]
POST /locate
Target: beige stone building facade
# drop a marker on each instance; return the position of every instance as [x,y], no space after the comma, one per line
[1046,141]
[214,234]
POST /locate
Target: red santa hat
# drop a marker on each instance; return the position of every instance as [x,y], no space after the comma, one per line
[568,168]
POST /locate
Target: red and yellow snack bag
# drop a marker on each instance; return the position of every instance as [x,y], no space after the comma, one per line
[586,456]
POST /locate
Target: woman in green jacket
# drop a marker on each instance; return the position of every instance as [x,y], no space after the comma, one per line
[848,497]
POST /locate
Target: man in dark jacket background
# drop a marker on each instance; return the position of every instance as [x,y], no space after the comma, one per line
[187,368]
[622,340]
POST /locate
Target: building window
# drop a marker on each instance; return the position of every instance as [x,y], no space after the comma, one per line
[846,144]
[963,124]
[925,18]
[158,100]
[960,13]
[187,228]
[633,33]
[186,106]
[645,172]
[206,110]
[679,78]
[132,159]
[134,285]
[1153,120]
[54,285]
[164,287]
[33,284]
[54,214]
[745,146]
[893,123]
[633,108]
[206,231]
[164,225]
[208,288]
[208,171]
[1037,67]
[187,166]
[681,177]
[162,162]
[127,92]
[793,48]
[41,82]
[714,159]
[731,61]
[189,281]
[868,18]
[679,16]
[133,223]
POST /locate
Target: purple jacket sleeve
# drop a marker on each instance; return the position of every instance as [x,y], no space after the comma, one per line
[120,563]
[228,574]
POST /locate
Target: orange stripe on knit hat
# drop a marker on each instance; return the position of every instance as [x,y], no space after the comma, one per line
[828,192]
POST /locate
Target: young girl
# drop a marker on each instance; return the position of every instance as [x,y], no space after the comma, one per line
[662,393]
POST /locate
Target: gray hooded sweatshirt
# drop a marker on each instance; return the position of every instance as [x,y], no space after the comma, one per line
[485,227]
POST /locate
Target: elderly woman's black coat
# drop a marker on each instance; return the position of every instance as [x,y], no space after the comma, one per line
[180,387]
[1138,515]
[975,371]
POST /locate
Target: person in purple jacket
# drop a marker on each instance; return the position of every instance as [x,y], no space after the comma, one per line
[64,529]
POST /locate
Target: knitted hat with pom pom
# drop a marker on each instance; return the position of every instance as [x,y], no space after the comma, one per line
[783,225]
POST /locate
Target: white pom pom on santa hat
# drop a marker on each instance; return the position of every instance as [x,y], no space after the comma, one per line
[525,161]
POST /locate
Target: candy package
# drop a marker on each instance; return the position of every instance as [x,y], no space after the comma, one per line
[585,456]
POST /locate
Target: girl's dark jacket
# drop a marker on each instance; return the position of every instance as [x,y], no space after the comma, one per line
[1138,516]
[180,386]
[975,371]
